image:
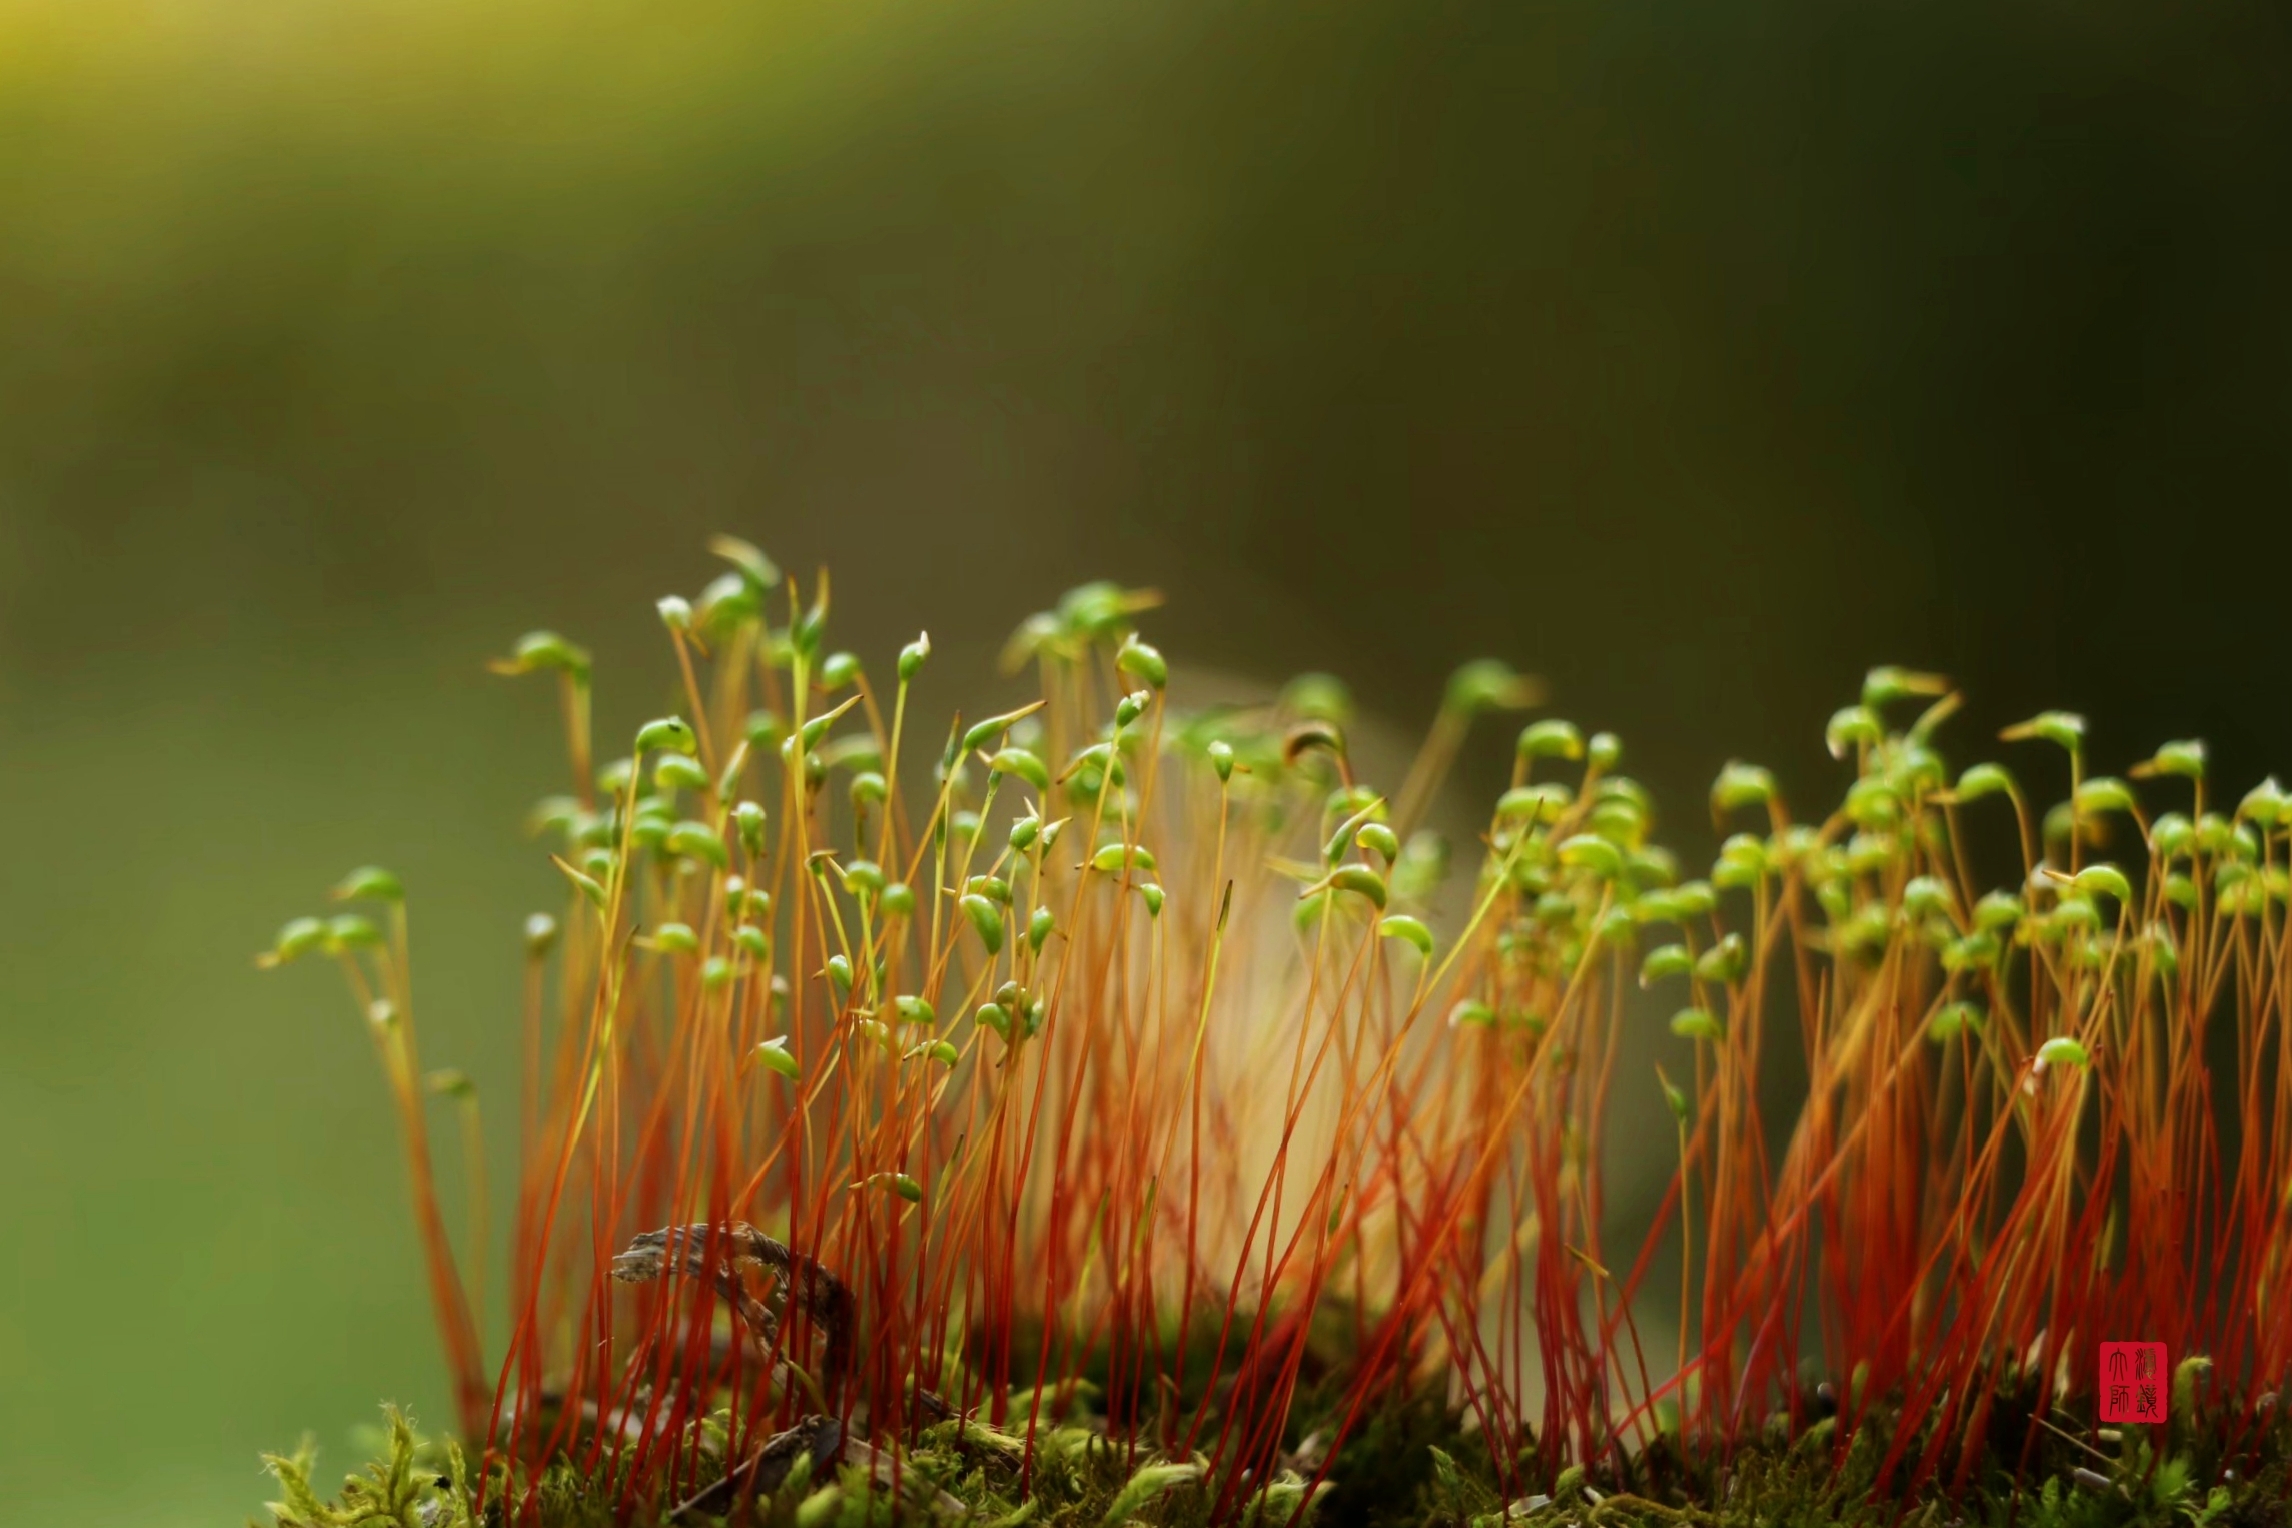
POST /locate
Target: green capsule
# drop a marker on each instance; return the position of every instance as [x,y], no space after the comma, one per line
[1152,894]
[1998,909]
[915,1010]
[1952,1020]
[2103,793]
[995,1017]
[2185,758]
[1318,697]
[1471,1013]
[987,920]
[963,826]
[995,726]
[1740,785]
[1589,851]
[1413,930]
[774,1055]
[1489,684]
[1222,759]
[899,1183]
[2181,891]
[2073,912]
[752,942]
[1551,738]
[1375,838]
[1311,906]
[1886,684]
[1534,804]
[554,814]
[679,772]
[586,883]
[1665,961]
[1040,922]
[697,840]
[1742,862]
[808,736]
[1680,1110]
[1871,853]
[1925,897]
[669,733]
[913,656]
[1024,832]
[1659,905]
[2064,729]
[2167,955]
[1695,899]
[1604,751]
[2062,1051]
[1726,962]
[838,670]
[1115,857]
[614,778]
[1976,951]
[2106,879]
[715,972]
[1130,707]
[728,779]
[675,611]
[1984,780]
[675,939]
[726,604]
[748,821]
[537,651]
[863,878]
[2171,835]
[1023,763]
[993,887]
[811,628]
[369,883]
[1851,728]
[1652,865]
[1142,663]
[898,900]
[2263,804]
[1358,879]
[747,560]
[2214,835]
[1915,769]
[757,904]
[349,931]
[840,975]
[1697,1024]
[1873,804]
[764,730]
[540,934]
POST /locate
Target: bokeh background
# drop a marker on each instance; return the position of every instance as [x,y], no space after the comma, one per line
[1694,356]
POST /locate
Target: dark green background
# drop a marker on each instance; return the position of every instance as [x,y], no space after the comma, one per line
[1696,356]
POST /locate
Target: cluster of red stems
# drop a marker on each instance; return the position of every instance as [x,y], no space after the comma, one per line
[1115,1041]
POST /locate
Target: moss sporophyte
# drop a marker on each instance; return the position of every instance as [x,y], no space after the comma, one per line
[1103,1110]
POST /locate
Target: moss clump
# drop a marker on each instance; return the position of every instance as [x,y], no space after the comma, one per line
[1410,1463]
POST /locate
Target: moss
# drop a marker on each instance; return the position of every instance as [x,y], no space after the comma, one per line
[1410,1463]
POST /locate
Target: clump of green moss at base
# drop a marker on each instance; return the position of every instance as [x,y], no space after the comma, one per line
[1409,1464]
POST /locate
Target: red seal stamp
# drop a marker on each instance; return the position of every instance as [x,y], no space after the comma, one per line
[2133,1382]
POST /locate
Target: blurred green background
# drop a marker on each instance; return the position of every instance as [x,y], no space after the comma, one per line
[1694,356]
